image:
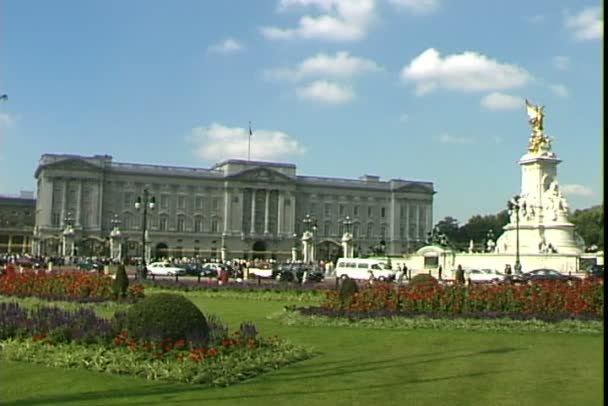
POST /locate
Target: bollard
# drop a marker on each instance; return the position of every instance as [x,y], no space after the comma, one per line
[198,278]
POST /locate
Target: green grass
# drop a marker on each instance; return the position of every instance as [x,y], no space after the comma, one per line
[353,367]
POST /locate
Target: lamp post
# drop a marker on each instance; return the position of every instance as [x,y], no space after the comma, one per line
[347,238]
[514,205]
[115,236]
[68,238]
[144,203]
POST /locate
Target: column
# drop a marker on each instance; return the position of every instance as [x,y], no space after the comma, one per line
[77,219]
[253,211]
[280,212]
[64,200]
[266,210]
[10,243]
[227,203]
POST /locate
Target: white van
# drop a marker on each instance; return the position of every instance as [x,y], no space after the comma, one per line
[363,268]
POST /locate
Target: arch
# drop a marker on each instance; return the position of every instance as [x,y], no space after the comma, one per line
[329,250]
[161,250]
[259,249]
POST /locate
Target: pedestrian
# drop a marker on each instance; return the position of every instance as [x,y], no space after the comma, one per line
[459,275]
[439,271]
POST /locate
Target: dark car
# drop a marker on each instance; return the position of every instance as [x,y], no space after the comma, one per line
[296,272]
[91,265]
[596,271]
[542,274]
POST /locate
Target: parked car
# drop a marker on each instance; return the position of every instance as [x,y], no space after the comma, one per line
[90,265]
[596,271]
[295,273]
[164,269]
[484,275]
[542,274]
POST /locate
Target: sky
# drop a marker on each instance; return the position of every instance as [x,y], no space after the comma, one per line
[423,90]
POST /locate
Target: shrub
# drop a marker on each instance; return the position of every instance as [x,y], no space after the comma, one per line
[167,316]
[423,279]
[348,288]
[121,283]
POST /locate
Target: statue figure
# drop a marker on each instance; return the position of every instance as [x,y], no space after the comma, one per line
[536,115]
[538,140]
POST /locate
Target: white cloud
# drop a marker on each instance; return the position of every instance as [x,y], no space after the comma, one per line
[7,120]
[535,19]
[467,72]
[343,20]
[561,62]
[559,90]
[587,24]
[342,65]
[326,92]
[218,142]
[574,189]
[446,138]
[227,46]
[501,101]
[417,6]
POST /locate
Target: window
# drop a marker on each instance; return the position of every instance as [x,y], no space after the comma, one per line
[55,219]
[164,201]
[370,230]
[383,231]
[214,225]
[369,211]
[129,200]
[198,202]
[198,224]
[383,212]
[341,210]
[163,223]
[356,211]
[181,202]
[180,223]
[356,230]
[327,209]
[216,203]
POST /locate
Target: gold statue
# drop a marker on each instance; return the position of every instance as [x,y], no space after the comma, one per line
[537,115]
[538,140]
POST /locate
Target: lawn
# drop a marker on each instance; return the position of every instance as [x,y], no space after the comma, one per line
[353,367]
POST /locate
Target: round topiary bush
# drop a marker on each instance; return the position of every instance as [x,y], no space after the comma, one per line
[167,316]
[348,287]
[423,279]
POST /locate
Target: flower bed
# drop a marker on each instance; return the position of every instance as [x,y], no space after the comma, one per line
[79,339]
[62,285]
[584,300]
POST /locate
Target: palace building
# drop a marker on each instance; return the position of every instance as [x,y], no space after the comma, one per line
[235,209]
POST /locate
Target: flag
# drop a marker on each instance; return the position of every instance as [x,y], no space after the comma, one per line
[250,133]
[4,97]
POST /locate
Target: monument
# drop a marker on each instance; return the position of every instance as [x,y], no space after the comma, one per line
[539,222]
[538,234]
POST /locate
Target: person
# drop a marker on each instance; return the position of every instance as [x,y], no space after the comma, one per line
[439,271]
[405,275]
[459,275]
[508,270]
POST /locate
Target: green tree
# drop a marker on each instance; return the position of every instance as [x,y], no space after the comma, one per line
[589,224]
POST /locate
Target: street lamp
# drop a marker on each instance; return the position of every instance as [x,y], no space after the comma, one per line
[514,205]
[68,237]
[144,203]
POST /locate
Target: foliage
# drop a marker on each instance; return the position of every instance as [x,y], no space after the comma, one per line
[323,317]
[121,282]
[65,285]
[80,325]
[229,363]
[590,225]
[583,299]
[422,279]
[348,288]
[167,316]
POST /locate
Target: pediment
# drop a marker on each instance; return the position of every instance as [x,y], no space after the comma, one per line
[69,165]
[264,175]
[416,188]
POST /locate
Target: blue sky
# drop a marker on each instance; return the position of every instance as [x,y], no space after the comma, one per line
[429,90]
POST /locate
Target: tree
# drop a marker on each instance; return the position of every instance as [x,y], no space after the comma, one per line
[589,224]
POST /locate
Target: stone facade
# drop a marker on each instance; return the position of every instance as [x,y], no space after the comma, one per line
[235,209]
[16,224]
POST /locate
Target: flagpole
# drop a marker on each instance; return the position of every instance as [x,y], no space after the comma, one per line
[249,143]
